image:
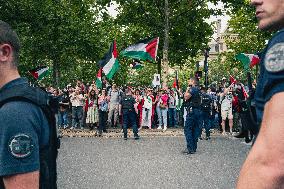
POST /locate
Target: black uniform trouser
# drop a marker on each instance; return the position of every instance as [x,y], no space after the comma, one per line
[129,116]
[192,129]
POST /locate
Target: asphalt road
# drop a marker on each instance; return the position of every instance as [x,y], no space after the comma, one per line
[157,162]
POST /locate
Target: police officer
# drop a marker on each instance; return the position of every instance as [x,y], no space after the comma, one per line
[206,111]
[24,128]
[193,122]
[263,167]
[128,113]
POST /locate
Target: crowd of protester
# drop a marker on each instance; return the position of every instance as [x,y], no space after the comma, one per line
[86,106]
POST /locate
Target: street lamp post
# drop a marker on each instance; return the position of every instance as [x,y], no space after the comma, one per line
[206,55]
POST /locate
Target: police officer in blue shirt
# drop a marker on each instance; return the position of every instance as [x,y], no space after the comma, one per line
[128,113]
[264,166]
[24,129]
[192,129]
[206,111]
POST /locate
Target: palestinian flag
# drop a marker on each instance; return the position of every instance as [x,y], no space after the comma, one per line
[136,64]
[244,91]
[109,63]
[39,72]
[232,80]
[248,60]
[99,82]
[144,50]
[175,83]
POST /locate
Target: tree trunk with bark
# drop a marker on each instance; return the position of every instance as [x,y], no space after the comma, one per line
[56,73]
[165,60]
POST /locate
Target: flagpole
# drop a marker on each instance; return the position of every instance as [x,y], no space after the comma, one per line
[256,72]
[177,80]
[101,73]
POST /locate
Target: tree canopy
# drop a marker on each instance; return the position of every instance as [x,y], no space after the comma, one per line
[72,35]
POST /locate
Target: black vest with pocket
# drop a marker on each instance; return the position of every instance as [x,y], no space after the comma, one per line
[48,156]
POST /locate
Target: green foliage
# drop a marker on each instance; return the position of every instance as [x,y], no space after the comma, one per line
[70,36]
[65,35]
[143,76]
[250,40]
[188,31]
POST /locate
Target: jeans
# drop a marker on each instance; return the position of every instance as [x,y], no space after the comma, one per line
[102,120]
[172,117]
[77,115]
[129,117]
[192,129]
[62,118]
[162,116]
[158,110]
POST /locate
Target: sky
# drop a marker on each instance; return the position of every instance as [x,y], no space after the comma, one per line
[224,19]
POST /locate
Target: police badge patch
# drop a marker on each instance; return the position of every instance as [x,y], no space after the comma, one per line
[274,59]
[21,146]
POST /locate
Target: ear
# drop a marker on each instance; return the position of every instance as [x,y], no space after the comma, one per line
[5,52]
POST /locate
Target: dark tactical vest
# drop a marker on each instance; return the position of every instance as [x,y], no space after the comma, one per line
[48,156]
[206,103]
[127,102]
[195,101]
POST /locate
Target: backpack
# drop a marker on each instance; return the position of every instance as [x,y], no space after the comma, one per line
[49,106]
[206,102]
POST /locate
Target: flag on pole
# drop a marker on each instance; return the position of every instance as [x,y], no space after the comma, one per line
[176,84]
[39,72]
[244,91]
[144,50]
[99,82]
[109,63]
[248,60]
[233,80]
[136,64]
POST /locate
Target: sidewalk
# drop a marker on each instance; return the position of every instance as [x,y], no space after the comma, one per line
[117,133]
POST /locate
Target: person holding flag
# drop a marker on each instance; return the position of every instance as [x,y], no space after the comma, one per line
[226,100]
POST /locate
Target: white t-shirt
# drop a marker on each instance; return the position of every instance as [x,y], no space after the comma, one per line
[227,102]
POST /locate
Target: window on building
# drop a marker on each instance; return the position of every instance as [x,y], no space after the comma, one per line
[216,48]
[221,46]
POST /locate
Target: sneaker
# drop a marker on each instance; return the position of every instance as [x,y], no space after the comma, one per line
[124,138]
[165,128]
[159,127]
[223,133]
[65,126]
